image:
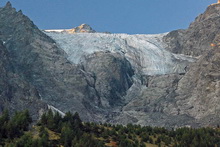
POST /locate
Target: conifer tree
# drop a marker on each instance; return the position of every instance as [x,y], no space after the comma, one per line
[66,135]
[50,120]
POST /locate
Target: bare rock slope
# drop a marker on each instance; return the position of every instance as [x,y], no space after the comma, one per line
[198,37]
[16,93]
[64,85]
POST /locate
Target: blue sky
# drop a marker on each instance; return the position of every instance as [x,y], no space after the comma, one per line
[116,16]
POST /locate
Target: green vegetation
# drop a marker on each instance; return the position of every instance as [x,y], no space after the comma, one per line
[70,131]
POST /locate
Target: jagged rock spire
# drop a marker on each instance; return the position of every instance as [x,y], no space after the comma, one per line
[8,4]
[218,1]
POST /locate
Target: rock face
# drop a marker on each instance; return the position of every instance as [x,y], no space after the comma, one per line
[199,92]
[112,76]
[83,28]
[37,59]
[198,37]
[116,78]
[16,93]
[155,104]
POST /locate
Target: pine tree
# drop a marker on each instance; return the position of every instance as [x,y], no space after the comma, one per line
[66,135]
[50,120]
[68,117]
[43,119]
[12,130]
[25,141]
[57,122]
[22,120]
[4,118]
[77,121]
[44,140]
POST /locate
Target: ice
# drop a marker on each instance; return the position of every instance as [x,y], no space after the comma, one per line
[59,31]
[54,110]
[146,53]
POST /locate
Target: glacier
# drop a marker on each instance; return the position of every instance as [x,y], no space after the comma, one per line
[145,52]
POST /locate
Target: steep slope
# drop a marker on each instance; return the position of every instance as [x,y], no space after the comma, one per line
[190,99]
[198,37]
[177,100]
[155,104]
[16,93]
[199,92]
[112,74]
[64,85]
[36,58]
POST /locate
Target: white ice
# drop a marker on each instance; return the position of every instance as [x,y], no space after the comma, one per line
[146,53]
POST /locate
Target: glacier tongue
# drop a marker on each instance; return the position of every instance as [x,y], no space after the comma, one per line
[146,53]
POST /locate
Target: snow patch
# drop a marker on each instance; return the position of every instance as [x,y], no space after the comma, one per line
[55,110]
[59,31]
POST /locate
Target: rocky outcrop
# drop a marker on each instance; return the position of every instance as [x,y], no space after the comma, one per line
[83,28]
[112,76]
[198,37]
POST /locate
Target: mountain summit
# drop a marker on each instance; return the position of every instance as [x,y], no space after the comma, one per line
[83,28]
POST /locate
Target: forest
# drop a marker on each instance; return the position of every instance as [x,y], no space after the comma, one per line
[52,130]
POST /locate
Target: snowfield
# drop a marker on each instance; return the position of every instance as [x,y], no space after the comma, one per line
[146,53]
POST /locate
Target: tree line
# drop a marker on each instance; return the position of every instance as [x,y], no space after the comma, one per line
[70,131]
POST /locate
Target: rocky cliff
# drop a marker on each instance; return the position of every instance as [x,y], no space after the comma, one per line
[116,78]
[16,93]
[198,37]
